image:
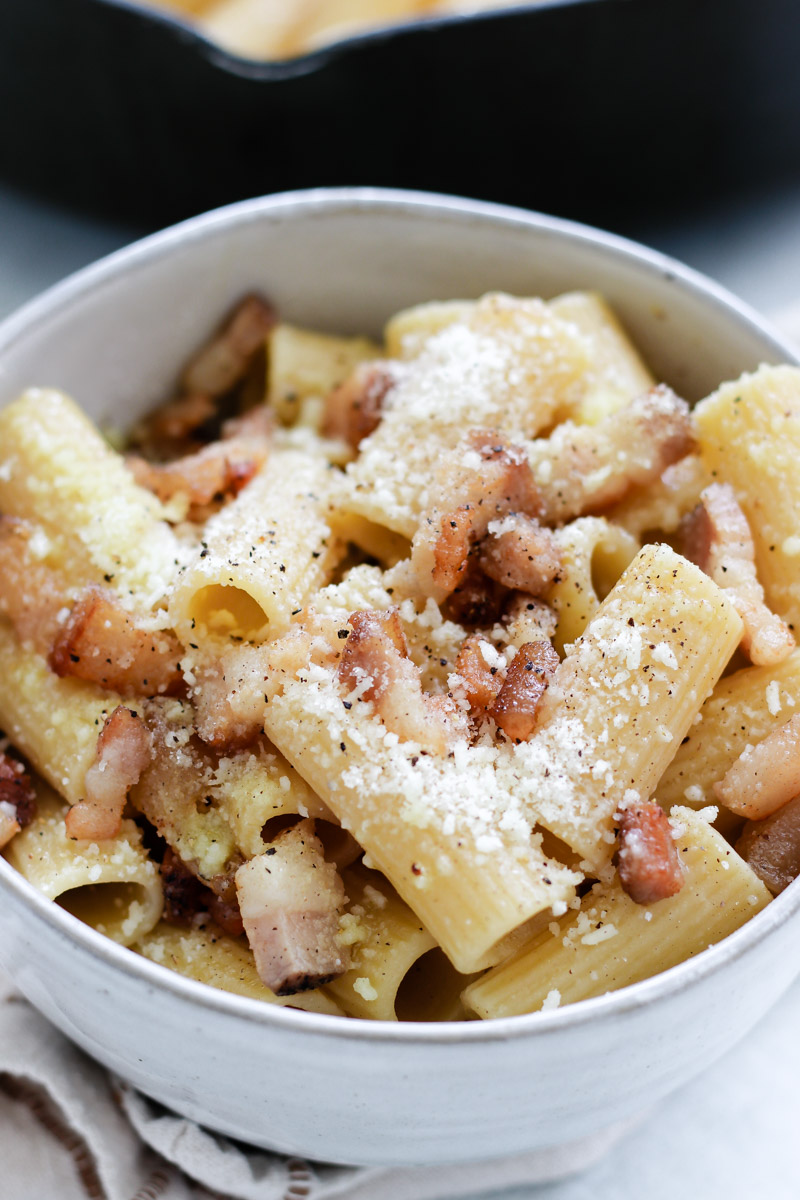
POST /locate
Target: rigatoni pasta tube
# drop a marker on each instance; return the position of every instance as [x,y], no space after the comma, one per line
[749,433]
[262,555]
[384,938]
[111,885]
[612,942]
[444,831]
[57,471]
[616,372]
[54,722]
[742,710]
[251,789]
[594,554]
[305,364]
[222,962]
[622,701]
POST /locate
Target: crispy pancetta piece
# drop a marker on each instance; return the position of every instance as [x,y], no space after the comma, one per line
[516,705]
[353,409]
[482,671]
[229,698]
[290,900]
[772,847]
[451,548]
[477,601]
[717,537]
[521,555]
[486,478]
[101,643]
[224,360]
[647,861]
[764,777]
[124,750]
[375,663]
[17,798]
[31,593]
[187,899]
[176,425]
[585,468]
[211,476]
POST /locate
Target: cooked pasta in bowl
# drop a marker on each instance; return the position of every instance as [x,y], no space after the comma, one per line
[397,602]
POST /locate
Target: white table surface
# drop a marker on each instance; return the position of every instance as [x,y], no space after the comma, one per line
[733,1133]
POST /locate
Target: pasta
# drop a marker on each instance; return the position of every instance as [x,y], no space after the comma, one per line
[284,28]
[425,679]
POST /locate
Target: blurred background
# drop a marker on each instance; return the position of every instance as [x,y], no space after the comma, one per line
[673,121]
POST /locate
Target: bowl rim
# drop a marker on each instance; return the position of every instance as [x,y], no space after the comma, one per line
[428,207]
[182,27]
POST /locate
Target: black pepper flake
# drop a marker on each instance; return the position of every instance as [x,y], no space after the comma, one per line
[348,704]
[343,747]
[343,633]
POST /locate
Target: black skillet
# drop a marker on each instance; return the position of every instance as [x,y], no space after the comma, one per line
[597,109]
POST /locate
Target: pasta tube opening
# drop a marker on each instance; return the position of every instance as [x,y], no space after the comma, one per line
[431,990]
[228,612]
[121,911]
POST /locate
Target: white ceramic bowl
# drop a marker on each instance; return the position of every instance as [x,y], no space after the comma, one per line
[357,1091]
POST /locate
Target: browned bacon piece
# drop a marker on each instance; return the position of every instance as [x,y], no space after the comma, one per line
[31,594]
[124,750]
[765,776]
[515,707]
[257,424]
[523,556]
[451,548]
[212,475]
[585,468]
[174,424]
[186,898]
[503,482]
[353,409]
[477,601]
[717,537]
[101,643]
[375,662]
[482,681]
[229,698]
[772,847]
[290,900]
[647,861]
[17,798]
[224,360]
[471,494]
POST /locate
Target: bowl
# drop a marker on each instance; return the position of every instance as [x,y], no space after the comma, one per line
[600,110]
[349,1090]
